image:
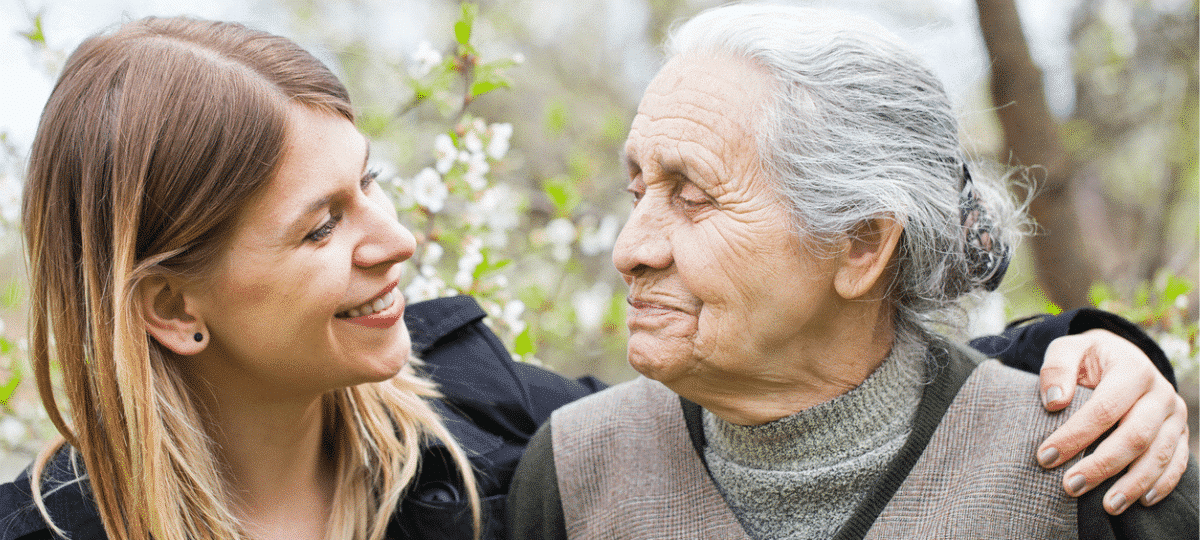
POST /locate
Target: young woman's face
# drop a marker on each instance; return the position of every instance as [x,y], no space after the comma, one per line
[305,295]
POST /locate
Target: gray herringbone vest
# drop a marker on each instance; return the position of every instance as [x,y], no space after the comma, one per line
[627,469]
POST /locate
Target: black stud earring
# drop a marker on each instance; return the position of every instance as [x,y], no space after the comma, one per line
[198,337]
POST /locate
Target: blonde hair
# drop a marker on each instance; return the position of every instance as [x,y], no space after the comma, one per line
[153,138]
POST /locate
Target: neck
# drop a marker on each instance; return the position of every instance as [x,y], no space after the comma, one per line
[278,468]
[800,376]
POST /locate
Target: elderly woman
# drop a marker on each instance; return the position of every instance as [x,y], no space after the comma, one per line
[803,220]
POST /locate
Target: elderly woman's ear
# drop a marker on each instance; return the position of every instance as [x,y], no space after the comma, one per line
[168,312]
[865,256]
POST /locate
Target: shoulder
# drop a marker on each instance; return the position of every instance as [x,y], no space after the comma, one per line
[475,372]
[1174,517]
[66,496]
[534,504]
[18,515]
[490,404]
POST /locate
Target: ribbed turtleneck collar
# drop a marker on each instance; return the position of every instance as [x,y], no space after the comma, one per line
[834,431]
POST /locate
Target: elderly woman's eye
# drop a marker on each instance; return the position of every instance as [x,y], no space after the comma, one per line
[691,197]
[637,194]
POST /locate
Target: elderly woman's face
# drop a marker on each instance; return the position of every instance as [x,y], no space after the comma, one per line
[719,282]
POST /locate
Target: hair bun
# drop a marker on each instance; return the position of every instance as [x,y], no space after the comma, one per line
[987,255]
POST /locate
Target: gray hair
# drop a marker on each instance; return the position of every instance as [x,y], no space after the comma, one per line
[856,127]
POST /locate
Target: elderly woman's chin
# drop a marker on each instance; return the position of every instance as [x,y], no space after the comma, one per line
[664,352]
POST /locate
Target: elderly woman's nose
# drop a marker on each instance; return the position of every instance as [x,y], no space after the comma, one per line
[385,240]
[642,244]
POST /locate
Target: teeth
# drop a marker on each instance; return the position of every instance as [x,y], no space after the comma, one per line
[380,304]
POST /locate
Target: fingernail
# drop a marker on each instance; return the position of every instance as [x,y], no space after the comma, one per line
[1151,496]
[1076,483]
[1048,456]
[1052,394]
[1117,502]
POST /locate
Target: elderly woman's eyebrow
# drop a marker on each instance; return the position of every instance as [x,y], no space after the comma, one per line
[631,165]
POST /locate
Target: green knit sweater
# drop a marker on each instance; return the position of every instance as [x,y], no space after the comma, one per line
[802,476]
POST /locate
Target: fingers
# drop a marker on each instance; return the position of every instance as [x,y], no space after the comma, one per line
[1118,396]
[1170,478]
[1150,452]
[1060,370]
[1154,472]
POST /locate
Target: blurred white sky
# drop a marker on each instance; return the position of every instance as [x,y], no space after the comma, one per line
[945,32]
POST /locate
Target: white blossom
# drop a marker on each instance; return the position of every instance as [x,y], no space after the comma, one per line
[500,281]
[473,143]
[498,207]
[478,125]
[477,168]
[1175,347]
[433,253]
[471,258]
[591,305]
[560,233]
[987,317]
[423,287]
[497,146]
[429,190]
[12,431]
[511,315]
[424,59]
[518,58]
[443,148]
[601,239]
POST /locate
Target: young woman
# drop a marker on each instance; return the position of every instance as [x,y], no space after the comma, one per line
[215,271]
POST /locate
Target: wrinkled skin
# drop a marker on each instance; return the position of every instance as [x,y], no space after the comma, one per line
[727,307]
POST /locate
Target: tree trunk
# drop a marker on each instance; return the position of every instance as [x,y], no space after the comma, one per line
[1031,139]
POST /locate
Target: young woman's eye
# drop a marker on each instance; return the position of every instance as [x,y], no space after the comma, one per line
[325,229]
[368,179]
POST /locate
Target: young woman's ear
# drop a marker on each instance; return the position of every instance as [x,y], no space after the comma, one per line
[865,257]
[169,316]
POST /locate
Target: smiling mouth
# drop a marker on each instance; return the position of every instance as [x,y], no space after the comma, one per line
[639,304]
[380,303]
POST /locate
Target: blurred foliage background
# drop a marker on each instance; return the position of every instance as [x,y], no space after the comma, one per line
[498,127]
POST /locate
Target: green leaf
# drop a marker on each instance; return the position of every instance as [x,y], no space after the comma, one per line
[462,28]
[13,293]
[562,192]
[373,123]
[36,35]
[462,32]
[1051,308]
[481,87]
[1174,288]
[524,344]
[556,118]
[1100,293]
[6,391]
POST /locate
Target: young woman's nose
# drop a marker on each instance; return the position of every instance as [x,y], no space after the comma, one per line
[385,240]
